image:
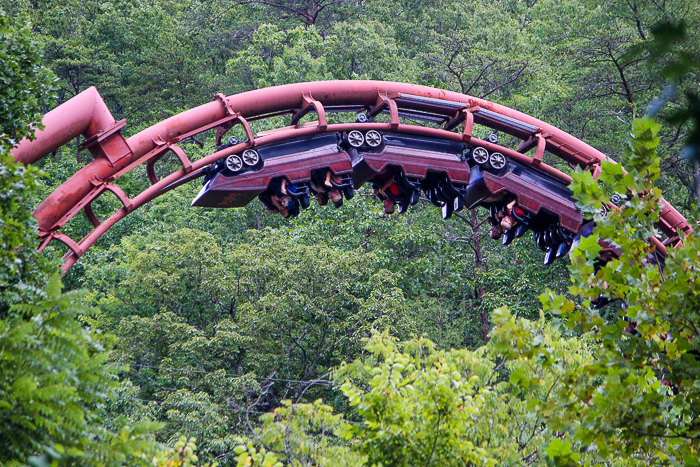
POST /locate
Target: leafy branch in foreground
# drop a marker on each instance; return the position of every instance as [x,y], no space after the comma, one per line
[53,381]
[413,404]
[25,88]
[640,395]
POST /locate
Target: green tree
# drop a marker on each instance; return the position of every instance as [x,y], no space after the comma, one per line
[54,386]
[639,395]
[25,90]
[275,56]
[214,334]
[53,381]
[413,404]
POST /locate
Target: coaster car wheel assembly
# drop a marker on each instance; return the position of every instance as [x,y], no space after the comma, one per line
[234,163]
[373,138]
[356,139]
[250,157]
[497,160]
[480,155]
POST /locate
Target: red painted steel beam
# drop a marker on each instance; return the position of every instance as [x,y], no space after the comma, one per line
[85,114]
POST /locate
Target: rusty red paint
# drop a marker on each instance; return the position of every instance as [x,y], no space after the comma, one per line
[87,115]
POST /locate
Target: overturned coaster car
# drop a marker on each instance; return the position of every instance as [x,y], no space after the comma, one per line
[452,175]
[283,177]
[519,199]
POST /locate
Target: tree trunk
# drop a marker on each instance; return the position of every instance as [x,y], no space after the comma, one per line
[479,288]
[78,156]
[696,180]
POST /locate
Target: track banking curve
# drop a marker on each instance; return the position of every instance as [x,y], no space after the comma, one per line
[404,157]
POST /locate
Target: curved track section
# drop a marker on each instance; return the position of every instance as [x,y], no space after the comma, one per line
[384,145]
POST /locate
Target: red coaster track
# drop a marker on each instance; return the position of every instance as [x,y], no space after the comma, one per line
[453,116]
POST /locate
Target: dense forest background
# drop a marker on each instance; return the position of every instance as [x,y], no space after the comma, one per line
[217,317]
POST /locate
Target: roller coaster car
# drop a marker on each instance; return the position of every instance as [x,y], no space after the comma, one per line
[234,182]
[415,155]
[520,198]
[400,165]
[534,191]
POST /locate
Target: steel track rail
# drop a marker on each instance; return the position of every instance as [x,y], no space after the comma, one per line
[114,155]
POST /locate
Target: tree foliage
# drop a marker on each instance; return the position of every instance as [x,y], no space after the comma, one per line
[638,396]
[413,404]
[25,89]
[54,386]
[220,316]
[53,381]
